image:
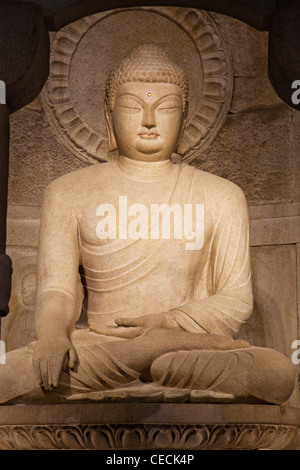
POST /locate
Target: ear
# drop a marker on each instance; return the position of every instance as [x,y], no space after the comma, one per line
[112,145]
[180,149]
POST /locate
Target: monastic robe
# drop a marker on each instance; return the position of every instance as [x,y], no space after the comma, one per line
[204,290]
[134,273]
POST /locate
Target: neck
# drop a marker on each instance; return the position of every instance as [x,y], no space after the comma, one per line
[145,171]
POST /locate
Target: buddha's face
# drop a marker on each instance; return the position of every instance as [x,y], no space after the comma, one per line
[147,120]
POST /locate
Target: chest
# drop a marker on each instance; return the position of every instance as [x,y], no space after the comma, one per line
[122,218]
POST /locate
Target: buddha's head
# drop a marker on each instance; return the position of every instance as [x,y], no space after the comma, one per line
[146,105]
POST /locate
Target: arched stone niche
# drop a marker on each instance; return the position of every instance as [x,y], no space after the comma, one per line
[252,139]
[74,95]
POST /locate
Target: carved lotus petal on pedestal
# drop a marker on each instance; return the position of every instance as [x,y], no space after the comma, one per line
[163,438]
[130,438]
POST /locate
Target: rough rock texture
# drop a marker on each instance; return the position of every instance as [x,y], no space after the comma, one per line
[37,157]
[254,150]
[249,50]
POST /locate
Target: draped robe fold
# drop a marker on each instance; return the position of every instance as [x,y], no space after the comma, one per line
[204,290]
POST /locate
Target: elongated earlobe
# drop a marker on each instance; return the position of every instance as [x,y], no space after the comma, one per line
[180,149]
[112,145]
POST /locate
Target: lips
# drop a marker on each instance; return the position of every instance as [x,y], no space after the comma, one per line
[148,135]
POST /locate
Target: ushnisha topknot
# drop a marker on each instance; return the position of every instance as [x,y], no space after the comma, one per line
[146,63]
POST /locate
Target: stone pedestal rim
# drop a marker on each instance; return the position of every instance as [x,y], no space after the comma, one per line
[149,413]
[144,426]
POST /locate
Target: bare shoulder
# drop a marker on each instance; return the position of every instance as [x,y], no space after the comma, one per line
[71,192]
[77,183]
[76,178]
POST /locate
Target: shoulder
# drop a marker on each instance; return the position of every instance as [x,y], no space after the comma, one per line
[70,193]
[77,182]
[218,189]
[221,196]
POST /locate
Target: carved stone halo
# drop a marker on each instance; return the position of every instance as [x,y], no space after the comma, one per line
[84,53]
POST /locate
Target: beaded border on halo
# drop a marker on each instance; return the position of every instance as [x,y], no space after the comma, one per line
[210,112]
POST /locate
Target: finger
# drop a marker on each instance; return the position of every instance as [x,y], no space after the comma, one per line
[131,333]
[127,332]
[65,362]
[130,321]
[37,371]
[44,374]
[73,358]
[56,367]
[241,343]
[51,372]
[109,330]
[119,331]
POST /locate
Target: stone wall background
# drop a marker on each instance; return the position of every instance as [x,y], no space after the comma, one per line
[257,148]
[254,149]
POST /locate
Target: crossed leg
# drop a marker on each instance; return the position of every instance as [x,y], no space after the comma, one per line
[197,361]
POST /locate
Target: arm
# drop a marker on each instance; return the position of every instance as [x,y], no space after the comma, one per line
[229,279]
[231,302]
[55,313]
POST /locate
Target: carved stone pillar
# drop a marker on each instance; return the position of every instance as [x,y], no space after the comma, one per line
[5,262]
[24,60]
[24,45]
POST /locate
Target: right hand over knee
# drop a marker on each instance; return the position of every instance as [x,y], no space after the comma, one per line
[50,357]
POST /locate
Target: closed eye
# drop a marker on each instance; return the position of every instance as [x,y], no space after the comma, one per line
[129,108]
[168,109]
[128,103]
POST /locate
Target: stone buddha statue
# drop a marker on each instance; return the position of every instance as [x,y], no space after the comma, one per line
[164,254]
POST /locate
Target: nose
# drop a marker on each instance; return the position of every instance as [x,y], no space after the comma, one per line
[148,118]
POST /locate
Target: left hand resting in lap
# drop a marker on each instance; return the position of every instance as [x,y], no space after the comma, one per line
[132,327]
[145,322]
